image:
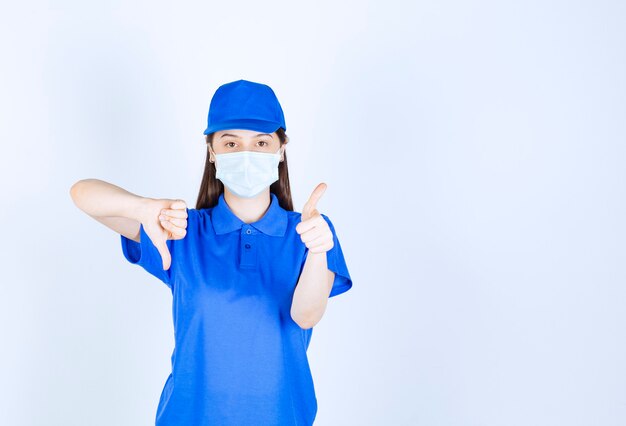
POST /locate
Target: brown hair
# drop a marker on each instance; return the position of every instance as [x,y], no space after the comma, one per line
[211,188]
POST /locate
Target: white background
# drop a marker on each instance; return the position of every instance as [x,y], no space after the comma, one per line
[475,159]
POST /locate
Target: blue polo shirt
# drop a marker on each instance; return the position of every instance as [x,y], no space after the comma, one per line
[239,358]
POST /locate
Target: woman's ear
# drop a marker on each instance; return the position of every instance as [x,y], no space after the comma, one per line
[211,153]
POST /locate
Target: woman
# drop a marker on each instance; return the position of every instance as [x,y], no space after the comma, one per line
[249,276]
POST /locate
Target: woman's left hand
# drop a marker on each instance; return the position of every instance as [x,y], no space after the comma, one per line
[313,228]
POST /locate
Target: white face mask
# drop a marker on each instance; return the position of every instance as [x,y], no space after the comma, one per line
[247,173]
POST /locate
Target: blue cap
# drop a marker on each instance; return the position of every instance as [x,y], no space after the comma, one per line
[243,104]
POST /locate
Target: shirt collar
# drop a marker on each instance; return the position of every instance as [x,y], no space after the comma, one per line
[273,222]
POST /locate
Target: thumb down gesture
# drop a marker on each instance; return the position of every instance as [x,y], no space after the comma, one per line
[313,228]
[165,220]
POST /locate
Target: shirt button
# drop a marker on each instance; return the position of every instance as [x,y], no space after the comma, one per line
[248,231]
[247,246]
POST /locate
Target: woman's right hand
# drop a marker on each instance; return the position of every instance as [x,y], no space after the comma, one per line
[163,220]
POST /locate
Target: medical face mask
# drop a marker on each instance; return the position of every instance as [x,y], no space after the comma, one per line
[247,173]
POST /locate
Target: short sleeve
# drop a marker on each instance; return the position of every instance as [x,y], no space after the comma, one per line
[145,254]
[337,264]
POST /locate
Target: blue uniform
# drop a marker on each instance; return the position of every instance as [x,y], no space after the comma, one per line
[239,358]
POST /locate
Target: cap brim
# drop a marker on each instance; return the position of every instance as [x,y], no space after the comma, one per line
[247,124]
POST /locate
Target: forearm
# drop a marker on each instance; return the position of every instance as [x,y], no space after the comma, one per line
[311,295]
[99,198]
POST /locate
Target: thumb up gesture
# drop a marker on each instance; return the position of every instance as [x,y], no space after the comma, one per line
[165,220]
[313,229]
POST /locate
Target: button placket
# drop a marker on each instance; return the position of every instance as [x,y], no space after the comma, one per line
[248,248]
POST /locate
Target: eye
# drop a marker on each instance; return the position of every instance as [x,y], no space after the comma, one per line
[227,143]
[266,143]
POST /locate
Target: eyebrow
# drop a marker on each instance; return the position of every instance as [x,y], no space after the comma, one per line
[255,136]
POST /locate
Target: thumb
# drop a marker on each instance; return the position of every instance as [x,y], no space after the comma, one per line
[309,208]
[164,251]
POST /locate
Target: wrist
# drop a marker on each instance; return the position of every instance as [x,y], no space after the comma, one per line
[141,208]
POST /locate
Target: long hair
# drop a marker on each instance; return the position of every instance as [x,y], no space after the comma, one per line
[211,188]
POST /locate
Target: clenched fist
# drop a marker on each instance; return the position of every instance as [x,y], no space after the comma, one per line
[165,220]
[313,229]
